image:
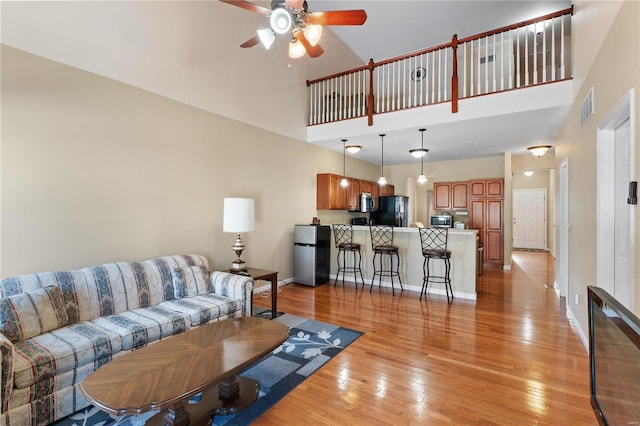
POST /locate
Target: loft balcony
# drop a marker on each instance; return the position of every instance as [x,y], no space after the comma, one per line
[521,67]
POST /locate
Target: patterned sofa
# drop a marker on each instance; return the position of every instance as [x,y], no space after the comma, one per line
[57,327]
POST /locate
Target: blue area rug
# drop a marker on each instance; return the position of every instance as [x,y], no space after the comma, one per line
[310,345]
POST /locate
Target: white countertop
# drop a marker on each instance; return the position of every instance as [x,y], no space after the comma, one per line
[452,231]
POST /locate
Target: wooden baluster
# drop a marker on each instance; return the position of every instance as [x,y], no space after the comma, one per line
[454,74]
[370,102]
[562,38]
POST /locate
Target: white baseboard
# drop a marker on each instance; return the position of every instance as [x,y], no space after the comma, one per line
[581,334]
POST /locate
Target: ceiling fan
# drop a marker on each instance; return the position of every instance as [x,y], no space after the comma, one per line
[292,17]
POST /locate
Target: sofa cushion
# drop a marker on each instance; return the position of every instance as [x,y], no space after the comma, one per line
[141,326]
[62,350]
[26,315]
[190,281]
[204,308]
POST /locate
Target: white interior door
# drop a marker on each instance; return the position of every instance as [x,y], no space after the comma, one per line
[530,218]
[615,225]
[622,262]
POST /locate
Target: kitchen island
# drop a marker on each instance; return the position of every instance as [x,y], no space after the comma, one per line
[464,260]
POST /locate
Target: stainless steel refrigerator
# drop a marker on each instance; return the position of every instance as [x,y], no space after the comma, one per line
[392,210]
[311,253]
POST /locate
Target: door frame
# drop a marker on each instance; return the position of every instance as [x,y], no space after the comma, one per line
[562,266]
[621,112]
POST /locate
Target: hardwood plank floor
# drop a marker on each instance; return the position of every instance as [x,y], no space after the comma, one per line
[509,358]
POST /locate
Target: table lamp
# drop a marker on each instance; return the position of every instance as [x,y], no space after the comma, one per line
[239,216]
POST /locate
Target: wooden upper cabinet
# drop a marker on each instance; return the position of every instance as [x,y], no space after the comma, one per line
[353,194]
[386,190]
[450,195]
[365,186]
[442,196]
[486,188]
[459,195]
[329,194]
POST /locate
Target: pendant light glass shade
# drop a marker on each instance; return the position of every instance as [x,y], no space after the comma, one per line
[344,182]
[267,37]
[353,148]
[313,33]
[382,181]
[296,49]
[422,178]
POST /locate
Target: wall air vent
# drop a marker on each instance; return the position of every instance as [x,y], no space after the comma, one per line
[586,109]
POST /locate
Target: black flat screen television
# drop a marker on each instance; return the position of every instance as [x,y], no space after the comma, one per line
[614,360]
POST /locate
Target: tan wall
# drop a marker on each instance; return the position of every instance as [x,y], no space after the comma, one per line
[614,71]
[94,171]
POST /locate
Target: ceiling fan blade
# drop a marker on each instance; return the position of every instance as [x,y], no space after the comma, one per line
[251,42]
[313,51]
[248,6]
[337,17]
[294,4]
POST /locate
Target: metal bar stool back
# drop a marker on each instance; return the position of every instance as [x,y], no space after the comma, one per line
[383,249]
[343,238]
[434,247]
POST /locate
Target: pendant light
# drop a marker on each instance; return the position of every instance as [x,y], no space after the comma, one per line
[344,182]
[382,181]
[422,178]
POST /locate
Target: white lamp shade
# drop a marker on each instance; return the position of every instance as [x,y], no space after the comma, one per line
[266,37]
[239,215]
[296,49]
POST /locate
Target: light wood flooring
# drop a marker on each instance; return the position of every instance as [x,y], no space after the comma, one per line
[509,358]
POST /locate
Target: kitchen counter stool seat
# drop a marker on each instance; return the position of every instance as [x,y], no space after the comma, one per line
[343,236]
[386,253]
[434,247]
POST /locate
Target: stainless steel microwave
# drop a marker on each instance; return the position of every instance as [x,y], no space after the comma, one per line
[442,221]
[367,203]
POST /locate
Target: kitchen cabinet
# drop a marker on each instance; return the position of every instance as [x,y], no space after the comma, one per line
[329,194]
[386,190]
[486,214]
[353,194]
[450,195]
[486,188]
[365,186]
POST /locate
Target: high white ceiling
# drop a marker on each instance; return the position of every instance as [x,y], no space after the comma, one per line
[182,50]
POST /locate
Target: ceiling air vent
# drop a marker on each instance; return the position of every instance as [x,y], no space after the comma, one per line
[586,109]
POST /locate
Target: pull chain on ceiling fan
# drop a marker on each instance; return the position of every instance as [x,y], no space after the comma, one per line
[293,17]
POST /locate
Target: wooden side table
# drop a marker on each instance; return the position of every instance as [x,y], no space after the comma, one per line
[263,274]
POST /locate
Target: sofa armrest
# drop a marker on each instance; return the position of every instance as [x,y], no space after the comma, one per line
[6,374]
[235,286]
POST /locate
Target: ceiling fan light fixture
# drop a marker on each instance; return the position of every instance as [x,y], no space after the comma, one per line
[280,20]
[313,33]
[353,149]
[539,150]
[267,37]
[296,49]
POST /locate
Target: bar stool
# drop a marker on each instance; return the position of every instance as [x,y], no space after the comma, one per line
[382,246]
[434,247]
[343,236]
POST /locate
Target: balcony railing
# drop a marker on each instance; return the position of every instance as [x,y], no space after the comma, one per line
[525,54]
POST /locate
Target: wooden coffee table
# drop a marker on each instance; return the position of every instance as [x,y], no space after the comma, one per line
[164,375]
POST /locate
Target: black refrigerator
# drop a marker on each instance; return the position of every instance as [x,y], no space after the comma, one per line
[392,210]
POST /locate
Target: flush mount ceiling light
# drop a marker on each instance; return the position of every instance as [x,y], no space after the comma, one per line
[422,178]
[344,182]
[539,150]
[280,20]
[353,149]
[382,181]
[528,173]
